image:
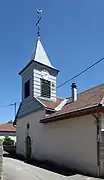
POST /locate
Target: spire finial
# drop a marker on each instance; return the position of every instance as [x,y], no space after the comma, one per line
[39,11]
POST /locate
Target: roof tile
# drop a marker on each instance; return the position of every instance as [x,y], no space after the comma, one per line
[52,104]
[7,128]
[89,98]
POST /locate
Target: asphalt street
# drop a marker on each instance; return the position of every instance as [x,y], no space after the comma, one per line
[18,170]
[14,169]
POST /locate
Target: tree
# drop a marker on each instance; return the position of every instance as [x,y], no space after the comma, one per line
[9,122]
[8,141]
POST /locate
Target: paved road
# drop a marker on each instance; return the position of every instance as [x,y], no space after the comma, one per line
[18,170]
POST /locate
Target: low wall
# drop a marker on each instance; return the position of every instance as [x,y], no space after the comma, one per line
[10,149]
[1,161]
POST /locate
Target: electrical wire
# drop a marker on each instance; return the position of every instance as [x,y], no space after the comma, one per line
[7,105]
[77,75]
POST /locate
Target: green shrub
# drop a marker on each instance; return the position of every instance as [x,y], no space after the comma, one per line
[8,141]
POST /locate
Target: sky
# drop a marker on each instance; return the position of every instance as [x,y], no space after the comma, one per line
[72,33]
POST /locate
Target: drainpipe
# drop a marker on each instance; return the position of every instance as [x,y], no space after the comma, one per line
[98,143]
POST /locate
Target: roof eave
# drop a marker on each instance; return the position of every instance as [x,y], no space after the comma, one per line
[3,131]
[25,67]
[32,61]
[15,120]
[78,113]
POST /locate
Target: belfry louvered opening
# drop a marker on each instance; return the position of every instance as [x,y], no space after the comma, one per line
[45,88]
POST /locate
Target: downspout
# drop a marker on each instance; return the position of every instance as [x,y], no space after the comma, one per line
[98,143]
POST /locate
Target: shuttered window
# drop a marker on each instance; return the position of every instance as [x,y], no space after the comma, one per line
[45,88]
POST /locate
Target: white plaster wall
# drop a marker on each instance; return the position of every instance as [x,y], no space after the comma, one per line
[20,134]
[102,121]
[102,144]
[70,142]
[21,130]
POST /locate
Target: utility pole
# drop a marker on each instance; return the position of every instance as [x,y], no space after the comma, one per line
[15,109]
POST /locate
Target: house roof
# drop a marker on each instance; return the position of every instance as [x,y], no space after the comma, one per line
[46,103]
[90,98]
[7,128]
[51,104]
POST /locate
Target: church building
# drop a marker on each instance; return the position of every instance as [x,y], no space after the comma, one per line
[38,99]
[67,131]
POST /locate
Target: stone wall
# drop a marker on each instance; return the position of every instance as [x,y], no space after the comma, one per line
[1,161]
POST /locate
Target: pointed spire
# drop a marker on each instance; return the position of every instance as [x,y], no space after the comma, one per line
[39,11]
[41,56]
[39,53]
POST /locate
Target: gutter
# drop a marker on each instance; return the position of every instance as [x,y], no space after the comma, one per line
[98,143]
[78,113]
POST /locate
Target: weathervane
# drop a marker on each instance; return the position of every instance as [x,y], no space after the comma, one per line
[38,21]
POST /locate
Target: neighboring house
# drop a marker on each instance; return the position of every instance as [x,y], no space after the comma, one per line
[7,130]
[68,131]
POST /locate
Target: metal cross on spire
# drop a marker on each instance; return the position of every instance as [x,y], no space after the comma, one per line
[38,21]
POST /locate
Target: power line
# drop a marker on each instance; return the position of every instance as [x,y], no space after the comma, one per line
[8,105]
[14,105]
[77,75]
[97,62]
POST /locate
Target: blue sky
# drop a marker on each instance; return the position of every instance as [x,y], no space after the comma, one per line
[72,32]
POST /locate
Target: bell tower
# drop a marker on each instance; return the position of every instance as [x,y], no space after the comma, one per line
[39,76]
